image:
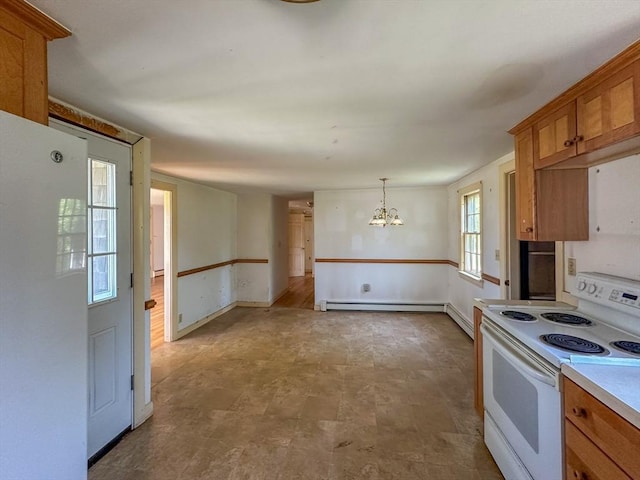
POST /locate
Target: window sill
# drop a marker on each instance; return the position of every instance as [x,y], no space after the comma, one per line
[477,281]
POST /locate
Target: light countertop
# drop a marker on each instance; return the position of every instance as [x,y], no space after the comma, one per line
[618,387]
[486,302]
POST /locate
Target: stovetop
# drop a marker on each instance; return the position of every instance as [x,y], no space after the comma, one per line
[599,321]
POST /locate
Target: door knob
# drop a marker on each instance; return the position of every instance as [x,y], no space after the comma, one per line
[149,304]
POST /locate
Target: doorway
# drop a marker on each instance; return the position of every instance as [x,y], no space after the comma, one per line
[163,319]
[110,288]
[529,269]
[301,257]
[156,263]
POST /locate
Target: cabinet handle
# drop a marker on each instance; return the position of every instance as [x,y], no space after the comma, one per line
[577,139]
[579,411]
[580,475]
[529,229]
[568,143]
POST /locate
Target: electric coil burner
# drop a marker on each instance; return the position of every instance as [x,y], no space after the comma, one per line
[566,319]
[520,316]
[626,346]
[573,344]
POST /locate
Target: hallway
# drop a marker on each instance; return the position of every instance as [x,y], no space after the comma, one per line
[157,312]
[300,294]
[283,393]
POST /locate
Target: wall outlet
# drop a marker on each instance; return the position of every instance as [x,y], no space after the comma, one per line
[179,318]
[571,266]
[366,287]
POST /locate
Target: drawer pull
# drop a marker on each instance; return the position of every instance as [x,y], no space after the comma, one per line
[579,412]
[580,475]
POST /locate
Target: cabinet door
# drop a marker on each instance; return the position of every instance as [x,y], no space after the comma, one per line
[525,186]
[610,112]
[583,460]
[553,137]
[23,69]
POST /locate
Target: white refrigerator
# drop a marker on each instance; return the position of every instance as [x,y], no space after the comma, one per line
[43,302]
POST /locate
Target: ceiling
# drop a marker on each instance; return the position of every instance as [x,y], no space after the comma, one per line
[283,98]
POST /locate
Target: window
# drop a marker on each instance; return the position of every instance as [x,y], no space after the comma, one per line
[101,222]
[471,231]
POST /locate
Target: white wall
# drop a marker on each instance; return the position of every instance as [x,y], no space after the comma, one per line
[341,230]
[262,234]
[206,235]
[614,223]
[462,291]
[254,222]
[279,247]
[157,215]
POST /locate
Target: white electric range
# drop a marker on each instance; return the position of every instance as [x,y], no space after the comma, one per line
[523,349]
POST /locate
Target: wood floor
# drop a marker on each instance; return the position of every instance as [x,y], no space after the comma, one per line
[300,294]
[157,312]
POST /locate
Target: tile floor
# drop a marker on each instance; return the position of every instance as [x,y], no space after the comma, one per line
[294,394]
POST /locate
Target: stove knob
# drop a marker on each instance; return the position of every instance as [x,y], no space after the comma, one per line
[582,285]
[592,288]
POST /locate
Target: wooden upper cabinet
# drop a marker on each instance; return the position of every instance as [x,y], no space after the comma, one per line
[551,205]
[24,32]
[610,111]
[596,120]
[525,186]
[553,137]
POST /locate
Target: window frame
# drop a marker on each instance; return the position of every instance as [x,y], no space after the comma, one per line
[463,270]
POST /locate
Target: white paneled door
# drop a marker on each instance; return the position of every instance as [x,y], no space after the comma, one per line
[109,289]
[296,244]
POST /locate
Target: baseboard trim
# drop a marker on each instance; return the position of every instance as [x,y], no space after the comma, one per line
[254,304]
[194,326]
[463,322]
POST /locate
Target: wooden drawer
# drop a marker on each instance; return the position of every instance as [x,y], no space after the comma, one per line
[585,461]
[611,433]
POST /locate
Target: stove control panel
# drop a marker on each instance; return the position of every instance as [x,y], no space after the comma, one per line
[614,292]
[626,298]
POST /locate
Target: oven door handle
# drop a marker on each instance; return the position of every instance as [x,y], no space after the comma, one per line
[517,360]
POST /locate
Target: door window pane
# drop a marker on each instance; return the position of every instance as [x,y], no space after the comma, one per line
[102,245]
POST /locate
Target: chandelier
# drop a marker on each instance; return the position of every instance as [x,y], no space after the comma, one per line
[383,217]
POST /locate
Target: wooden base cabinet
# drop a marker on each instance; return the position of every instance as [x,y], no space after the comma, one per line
[599,444]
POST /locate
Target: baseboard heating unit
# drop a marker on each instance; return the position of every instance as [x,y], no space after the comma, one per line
[465,324]
[382,307]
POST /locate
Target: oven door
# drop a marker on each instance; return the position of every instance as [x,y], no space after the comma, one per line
[522,400]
